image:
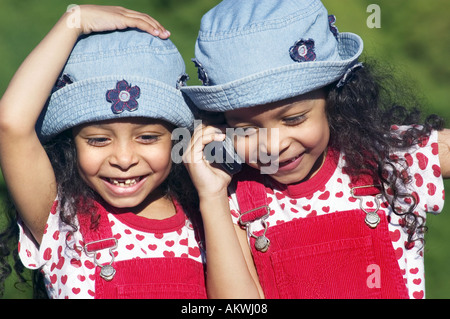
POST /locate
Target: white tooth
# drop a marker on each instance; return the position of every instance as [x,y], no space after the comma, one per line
[123,183]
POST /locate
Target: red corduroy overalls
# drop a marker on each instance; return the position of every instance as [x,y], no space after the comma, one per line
[335,255]
[149,278]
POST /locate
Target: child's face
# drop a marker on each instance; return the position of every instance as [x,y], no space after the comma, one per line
[124,160]
[297,147]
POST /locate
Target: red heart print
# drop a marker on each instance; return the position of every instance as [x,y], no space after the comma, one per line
[435,148]
[414,271]
[409,159]
[419,179]
[170,243]
[423,160]
[89,264]
[431,189]
[324,196]
[436,170]
[168,254]
[75,262]
[48,254]
[418,294]
[395,235]
[76,291]
[195,252]
[279,195]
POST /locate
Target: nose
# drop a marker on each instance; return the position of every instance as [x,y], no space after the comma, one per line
[124,156]
[273,142]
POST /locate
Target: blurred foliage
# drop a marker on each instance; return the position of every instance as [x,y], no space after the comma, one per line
[413,37]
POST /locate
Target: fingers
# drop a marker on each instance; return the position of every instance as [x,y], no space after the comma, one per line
[146,23]
[202,136]
[96,18]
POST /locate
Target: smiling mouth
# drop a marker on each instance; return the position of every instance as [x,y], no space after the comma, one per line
[281,164]
[124,182]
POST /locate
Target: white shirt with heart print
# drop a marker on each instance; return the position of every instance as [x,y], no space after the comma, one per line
[328,192]
[69,272]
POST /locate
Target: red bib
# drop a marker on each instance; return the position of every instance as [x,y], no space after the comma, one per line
[144,278]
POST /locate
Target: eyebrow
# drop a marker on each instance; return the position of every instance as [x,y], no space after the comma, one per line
[281,110]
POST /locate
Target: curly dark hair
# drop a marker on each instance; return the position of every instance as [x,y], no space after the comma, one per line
[361,115]
[74,196]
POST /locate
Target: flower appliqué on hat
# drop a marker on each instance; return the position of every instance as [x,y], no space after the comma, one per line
[303,51]
[64,80]
[202,75]
[333,28]
[123,97]
[181,81]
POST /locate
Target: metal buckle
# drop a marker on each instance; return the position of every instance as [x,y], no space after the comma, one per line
[262,242]
[372,219]
[107,271]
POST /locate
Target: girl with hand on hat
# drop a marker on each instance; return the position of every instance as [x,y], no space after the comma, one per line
[102,210]
[338,179]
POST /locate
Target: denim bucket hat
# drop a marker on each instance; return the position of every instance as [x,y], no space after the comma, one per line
[119,74]
[255,52]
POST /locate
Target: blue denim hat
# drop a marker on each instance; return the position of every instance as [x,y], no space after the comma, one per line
[115,75]
[255,52]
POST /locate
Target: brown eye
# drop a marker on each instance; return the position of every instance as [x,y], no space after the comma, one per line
[148,138]
[98,141]
[295,120]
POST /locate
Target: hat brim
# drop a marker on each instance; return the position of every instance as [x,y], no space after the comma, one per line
[85,101]
[277,84]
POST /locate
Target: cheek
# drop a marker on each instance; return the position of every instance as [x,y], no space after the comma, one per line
[247,148]
[318,135]
[88,164]
[160,160]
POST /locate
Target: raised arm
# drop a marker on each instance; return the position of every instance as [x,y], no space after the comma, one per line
[26,168]
[444,152]
[230,269]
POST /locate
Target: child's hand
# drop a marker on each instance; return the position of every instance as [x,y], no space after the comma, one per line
[93,18]
[208,180]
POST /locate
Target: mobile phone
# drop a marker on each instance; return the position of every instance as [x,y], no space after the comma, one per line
[223,154]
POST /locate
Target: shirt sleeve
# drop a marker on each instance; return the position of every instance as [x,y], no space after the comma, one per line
[33,255]
[426,181]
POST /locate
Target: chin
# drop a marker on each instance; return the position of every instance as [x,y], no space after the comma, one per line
[290,178]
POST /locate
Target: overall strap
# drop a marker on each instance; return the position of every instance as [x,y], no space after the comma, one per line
[98,236]
[253,204]
[251,195]
[365,185]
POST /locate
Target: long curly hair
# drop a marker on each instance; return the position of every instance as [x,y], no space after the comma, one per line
[74,195]
[361,115]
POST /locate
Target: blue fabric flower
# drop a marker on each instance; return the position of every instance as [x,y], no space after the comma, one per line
[202,75]
[303,51]
[333,28]
[123,97]
[64,80]
[181,81]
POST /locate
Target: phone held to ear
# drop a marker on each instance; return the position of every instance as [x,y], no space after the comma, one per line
[224,155]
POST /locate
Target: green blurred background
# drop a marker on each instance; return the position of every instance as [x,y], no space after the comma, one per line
[413,35]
